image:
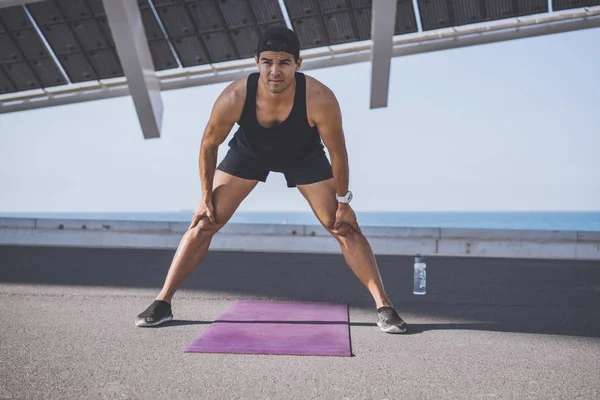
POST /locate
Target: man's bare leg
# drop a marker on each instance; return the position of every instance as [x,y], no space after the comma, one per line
[355,247]
[228,193]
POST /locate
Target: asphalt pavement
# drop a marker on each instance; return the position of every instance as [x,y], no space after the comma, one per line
[487,328]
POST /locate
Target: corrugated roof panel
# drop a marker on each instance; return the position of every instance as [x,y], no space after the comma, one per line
[363,23]
[219,47]
[24,57]
[45,12]
[322,23]
[176,21]
[203,31]
[190,51]
[21,75]
[89,34]
[106,63]
[206,16]
[151,26]
[526,7]
[30,43]
[82,42]
[60,38]
[141,3]
[74,10]
[103,22]
[162,57]
[301,8]
[237,14]
[267,11]
[310,32]
[361,3]
[466,12]
[9,52]
[5,85]
[339,28]
[15,18]
[331,22]
[245,40]
[77,67]
[436,14]
[406,21]
[333,6]
[78,39]
[569,4]
[97,8]
[48,72]
[499,9]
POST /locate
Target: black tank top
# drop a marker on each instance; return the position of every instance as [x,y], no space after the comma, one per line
[285,144]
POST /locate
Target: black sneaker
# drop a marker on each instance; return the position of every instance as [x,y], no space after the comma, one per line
[158,312]
[389,321]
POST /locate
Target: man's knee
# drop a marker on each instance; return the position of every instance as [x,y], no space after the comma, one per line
[345,232]
[204,229]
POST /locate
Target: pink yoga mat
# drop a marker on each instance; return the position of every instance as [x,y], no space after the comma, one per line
[278,327]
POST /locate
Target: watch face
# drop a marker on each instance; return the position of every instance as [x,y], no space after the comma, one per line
[345,198]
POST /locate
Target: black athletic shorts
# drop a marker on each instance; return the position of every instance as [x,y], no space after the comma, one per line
[238,163]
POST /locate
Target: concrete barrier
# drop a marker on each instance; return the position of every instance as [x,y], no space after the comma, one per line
[305,238]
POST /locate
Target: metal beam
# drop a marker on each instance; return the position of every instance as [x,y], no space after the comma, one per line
[479,34]
[10,3]
[286,15]
[165,34]
[343,54]
[418,15]
[382,34]
[47,45]
[126,25]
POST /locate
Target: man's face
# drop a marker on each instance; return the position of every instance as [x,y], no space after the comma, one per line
[277,70]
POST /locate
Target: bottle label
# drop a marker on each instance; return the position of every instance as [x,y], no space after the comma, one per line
[420,269]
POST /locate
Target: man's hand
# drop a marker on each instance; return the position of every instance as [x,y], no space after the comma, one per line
[204,210]
[345,215]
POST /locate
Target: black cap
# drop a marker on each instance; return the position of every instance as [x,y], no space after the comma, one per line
[279,38]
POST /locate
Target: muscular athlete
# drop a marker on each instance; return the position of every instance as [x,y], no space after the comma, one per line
[284,118]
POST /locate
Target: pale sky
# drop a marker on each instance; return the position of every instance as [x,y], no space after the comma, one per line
[512,126]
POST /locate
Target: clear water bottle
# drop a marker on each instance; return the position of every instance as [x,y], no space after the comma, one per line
[420,286]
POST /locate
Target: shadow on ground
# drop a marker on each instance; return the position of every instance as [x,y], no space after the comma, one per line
[508,295]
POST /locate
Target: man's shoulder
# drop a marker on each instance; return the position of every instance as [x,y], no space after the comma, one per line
[235,92]
[238,87]
[313,85]
[317,91]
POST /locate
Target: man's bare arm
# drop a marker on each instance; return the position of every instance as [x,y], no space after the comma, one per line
[325,112]
[225,113]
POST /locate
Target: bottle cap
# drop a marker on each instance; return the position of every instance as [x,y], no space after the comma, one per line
[419,259]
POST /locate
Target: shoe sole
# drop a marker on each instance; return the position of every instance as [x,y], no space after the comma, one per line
[143,323]
[391,329]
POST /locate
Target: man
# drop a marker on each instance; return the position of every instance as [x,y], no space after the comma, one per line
[284,119]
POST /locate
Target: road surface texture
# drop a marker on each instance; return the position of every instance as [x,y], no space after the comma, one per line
[487,328]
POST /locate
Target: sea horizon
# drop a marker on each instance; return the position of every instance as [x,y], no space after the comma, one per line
[520,220]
